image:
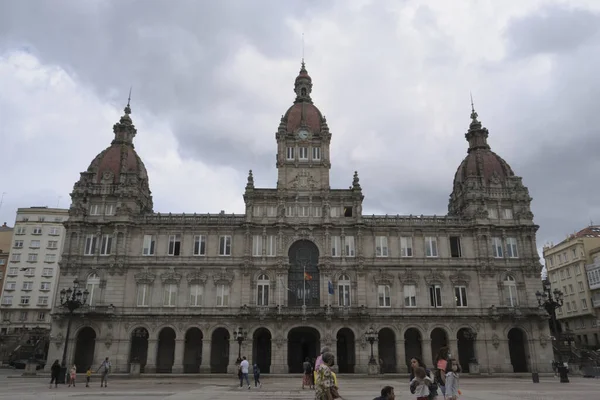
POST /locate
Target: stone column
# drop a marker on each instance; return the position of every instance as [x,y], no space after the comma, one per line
[179,355]
[426,350]
[453,345]
[233,355]
[279,355]
[151,358]
[206,349]
[400,357]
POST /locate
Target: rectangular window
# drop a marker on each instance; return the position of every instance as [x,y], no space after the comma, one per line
[581,289]
[42,300]
[336,246]
[348,211]
[383,294]
[32,257]
[257,211]
[344,294]
[271,246]
[41,316]
[20,230]
[571,289]
[271,211]
[410,296]
[431,249]
[222,295]
[455,248]
[90,245]
[30,272]
[15,257]
[50,258]
[106,245]
[45,286]
[95,209]
[350,246]
[52,244]
[148,249]
[170,299]
[460,296]
[25,300]
[37,230]
[10,285]
[511,247]
[53,231]
[290,153]
[497,247]
[18,244]
[289,211]
[583,304]
[568,306]
[574,305]
[7,300]
[34,244]
[196,293]
[28,285]
[303,211]
[142,295]
[381,246]
[406,246]
[257,245]
[577,269]
[303,153]
[109,209]
[316,153]
[507,213]
[174,245]
[23,316]
[199,245]
[493,213]
[225,245]
[262,294]
[435,296]
[334,212]
[13,271]
[317,211]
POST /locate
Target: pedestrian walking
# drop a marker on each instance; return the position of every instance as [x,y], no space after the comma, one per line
[54,374]
[104,371]
[72,375]
[244,366]
[256,372]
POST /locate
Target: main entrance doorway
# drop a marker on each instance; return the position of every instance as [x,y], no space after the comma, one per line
[303,342]
[303,277]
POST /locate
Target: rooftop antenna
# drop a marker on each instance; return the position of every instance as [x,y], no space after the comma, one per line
[58,201]
[129,98]
[472,105]
[303,48]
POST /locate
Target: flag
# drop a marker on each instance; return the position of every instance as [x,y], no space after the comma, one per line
[307,277]
[330,287]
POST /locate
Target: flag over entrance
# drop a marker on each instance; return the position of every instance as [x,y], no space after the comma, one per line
[330,286]
[307,276]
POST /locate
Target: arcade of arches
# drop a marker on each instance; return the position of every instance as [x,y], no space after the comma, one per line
[192,351]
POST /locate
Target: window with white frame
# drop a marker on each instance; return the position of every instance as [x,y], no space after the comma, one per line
[45,286]
[271,246]
[350,246]
[303,153]
[581,289]
[222,295]
[27,285]
[170,295]
[271,211]
[583,304]
[383,295]
[497,247]
[41,316]
[47,272]
[577,269]
[52,244]
[50,258]
[316,153]
[511,247]
[30,271]
[336,246]
[406,246]
[23,316]
[410,295]
[507,213]
[460,296]
[492,213]
[568,306]
[262,290]
[10,285]
[257,245]
[303,211]
[431,249]
[37,230]
[289,211]
[225,245]
[510,291]
[257,211]
[93,287]
[95,209]
[344,291]
[290,153]
[34,244]
[196,294]
[15,257]
[148,247]
[435,296]
[7,300]
[106,245]
[20,230]
[54,231]
[109,209]
[32,257]
[199,245]
[90,245]
[174,245]
[18,244]
[12,271]
[143,295]
[42,300]
[381,246]
[574,305]
[317,211]
[25,300]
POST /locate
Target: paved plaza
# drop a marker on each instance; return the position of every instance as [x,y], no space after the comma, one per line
[278,388]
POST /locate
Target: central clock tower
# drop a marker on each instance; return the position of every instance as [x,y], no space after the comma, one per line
[303,140]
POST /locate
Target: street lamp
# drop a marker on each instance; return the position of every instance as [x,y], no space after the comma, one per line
[550,301]
[240,335]
[71,299]
[371,337]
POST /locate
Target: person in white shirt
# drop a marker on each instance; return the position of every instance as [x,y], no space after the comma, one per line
[105,368]
[244,365]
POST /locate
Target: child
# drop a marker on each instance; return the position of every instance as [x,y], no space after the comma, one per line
[422,382]
[453,369]
[88,376]
[72,375]
[256,372]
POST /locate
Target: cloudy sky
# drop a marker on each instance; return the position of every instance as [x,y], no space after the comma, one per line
[212,79]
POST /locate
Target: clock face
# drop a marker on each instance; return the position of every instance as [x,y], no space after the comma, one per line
[303,134]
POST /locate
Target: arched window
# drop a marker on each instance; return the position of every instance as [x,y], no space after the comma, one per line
[93,286]
[510,291]
[262,291]
[344,291]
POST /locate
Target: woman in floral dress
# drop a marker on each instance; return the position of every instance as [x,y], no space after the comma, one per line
[325,388]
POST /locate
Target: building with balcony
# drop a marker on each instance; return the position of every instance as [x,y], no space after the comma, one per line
[593,281]
[32,271]
[301,268]
[568,264]
[6,233]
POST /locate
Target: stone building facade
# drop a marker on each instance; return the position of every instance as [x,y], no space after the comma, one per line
[302,268]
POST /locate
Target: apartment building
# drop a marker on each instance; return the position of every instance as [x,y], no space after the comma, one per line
[32,270]
[568,264]
[6,233]
[593,280]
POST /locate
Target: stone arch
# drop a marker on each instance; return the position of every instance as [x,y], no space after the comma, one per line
[91,325]
[138,345]
[345,349]
[439,338]
[130,330]
[192,355]
[159,329]
[261,348]
[465,340]
[518,348]
[304,341]
[304,237]
[165,353]
[219,350]
[413,338]
[85,347]
[386,346]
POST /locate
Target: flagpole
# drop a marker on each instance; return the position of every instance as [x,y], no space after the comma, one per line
[304,281]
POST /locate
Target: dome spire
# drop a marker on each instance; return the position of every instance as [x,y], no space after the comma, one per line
[477,135]
[124,129]
[303,85]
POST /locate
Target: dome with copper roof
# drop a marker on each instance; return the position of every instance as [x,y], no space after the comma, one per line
[481,162]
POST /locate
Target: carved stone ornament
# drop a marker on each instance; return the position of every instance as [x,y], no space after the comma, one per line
[303,234]
[171,277]
[107,177]
[304,180]
[196,278]
[460,278]
[543,340]
[495,179]
[408,277]
[223,277]
[144,277]
[59,340]
[495,341]
[108,340]
[116,268]
[434,277]
[383,278]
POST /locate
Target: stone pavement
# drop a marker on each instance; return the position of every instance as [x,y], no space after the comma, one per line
[351,388]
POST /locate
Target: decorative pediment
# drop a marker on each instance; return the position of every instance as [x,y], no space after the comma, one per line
[304,180]
[144,277]
[408,277]
[460,279]
[223,277]
[171,277]
[196,278]
[383,278]
[434,278]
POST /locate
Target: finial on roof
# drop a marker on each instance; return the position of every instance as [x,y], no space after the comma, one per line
[355,181]
[127,107]
[250,184]
[474,114]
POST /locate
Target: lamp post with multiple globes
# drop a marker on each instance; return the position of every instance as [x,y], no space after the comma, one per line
[240,335]
[371,336]
[71,299]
